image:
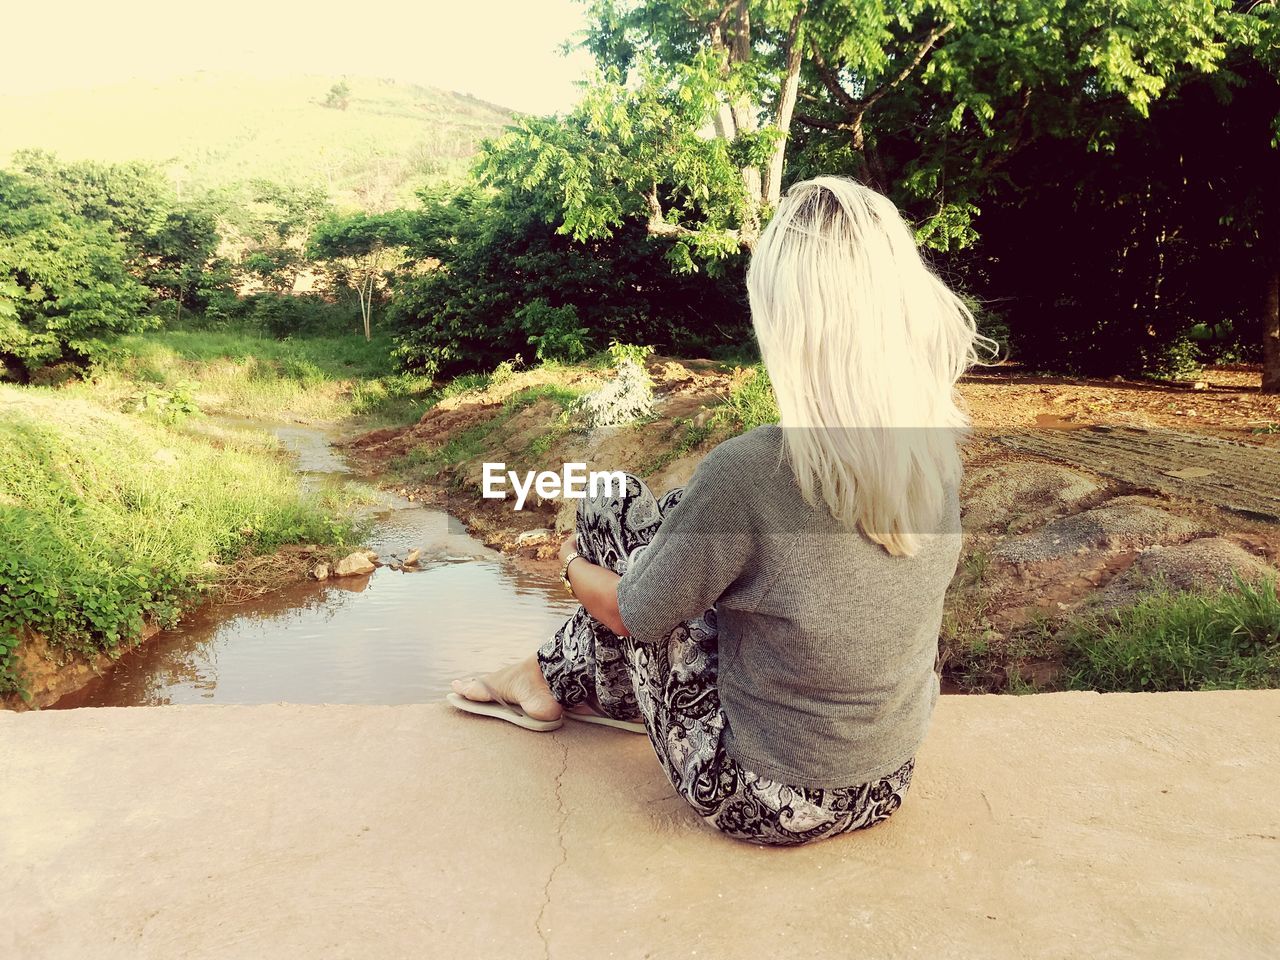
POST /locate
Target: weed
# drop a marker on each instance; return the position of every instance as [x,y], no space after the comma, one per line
[751,402]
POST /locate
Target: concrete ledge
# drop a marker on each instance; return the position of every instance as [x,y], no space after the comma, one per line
[1065,825]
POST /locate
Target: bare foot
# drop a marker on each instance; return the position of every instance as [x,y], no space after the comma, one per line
[520,683]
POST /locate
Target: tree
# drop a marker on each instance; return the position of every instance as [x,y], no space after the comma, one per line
[1090,165]
[65,287]
[183,260]
[339,96]
[360,248]
[128,198]
[636,147]
[284,216]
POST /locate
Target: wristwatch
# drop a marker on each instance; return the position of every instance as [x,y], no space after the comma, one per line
[564,572]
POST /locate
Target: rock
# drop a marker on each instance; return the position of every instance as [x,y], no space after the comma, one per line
[1016,496]
[411,558]
[320,571]
[1122,523]
[533,536]
[354,565]
[373,556]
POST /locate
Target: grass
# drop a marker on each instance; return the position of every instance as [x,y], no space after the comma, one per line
[751,402]
[247,374]
[238,128]
[110,519]
[1225,639]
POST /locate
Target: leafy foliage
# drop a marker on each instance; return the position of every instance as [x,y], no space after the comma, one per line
[492,274]
[65,288]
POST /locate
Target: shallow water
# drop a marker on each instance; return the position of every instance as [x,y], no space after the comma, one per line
[391,637]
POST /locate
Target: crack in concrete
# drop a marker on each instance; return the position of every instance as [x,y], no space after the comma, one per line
[564,852]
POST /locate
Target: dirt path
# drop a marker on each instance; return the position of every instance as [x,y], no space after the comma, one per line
[1195,467]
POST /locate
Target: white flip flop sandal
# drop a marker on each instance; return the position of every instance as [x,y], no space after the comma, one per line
[626,725]
[501,710]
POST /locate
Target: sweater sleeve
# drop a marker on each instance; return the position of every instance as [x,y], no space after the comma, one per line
[703,545]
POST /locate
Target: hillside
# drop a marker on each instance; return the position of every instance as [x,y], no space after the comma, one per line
[210,130]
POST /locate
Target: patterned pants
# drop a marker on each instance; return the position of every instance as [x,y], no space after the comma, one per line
[671,688]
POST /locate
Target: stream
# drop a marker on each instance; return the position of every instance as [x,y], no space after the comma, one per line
[388,638]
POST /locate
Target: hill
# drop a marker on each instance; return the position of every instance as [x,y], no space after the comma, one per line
[211,130]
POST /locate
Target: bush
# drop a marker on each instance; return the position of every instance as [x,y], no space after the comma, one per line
[490,273]
[1177,360]
[281,315]
[625,398]
[65,288]
[554,332]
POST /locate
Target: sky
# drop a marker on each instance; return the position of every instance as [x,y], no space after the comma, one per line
[504,51]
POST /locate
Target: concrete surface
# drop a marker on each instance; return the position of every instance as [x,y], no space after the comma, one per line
[1066,825]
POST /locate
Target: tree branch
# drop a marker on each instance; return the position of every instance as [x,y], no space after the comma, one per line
[659,226]
[822,123]
[936,34]
[831,80]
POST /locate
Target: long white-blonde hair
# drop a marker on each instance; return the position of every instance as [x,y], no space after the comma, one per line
[864,345]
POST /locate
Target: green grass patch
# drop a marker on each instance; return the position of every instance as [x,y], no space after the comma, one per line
[751,403]
[247,374]
[109,519]
[1226,639]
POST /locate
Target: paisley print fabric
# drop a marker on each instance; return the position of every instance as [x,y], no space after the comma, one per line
[671,688]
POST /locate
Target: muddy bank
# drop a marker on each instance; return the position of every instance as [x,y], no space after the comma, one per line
[50,672]
[1079,497]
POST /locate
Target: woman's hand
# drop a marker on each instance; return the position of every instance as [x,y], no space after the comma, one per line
[595,587]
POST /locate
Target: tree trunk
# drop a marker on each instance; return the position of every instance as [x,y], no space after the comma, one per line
[786,107]
[1271,331]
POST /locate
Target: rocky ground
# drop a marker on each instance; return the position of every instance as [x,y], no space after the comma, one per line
[1079,495]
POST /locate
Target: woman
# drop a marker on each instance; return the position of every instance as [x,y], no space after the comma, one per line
[774,624]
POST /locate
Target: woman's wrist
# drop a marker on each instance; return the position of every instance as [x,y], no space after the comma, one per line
[564,570]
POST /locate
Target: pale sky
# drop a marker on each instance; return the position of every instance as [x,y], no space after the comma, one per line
[504,51]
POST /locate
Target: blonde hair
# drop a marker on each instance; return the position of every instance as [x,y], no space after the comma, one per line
[864,345]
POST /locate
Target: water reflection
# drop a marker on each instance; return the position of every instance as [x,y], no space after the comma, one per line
[392,637]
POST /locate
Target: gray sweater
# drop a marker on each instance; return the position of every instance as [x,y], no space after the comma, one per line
[827,643]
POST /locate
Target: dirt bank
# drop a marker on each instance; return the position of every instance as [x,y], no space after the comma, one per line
[1078,494]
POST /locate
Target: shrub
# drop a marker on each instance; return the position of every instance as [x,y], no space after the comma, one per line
[554,332]
[625,398]
[65,288]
